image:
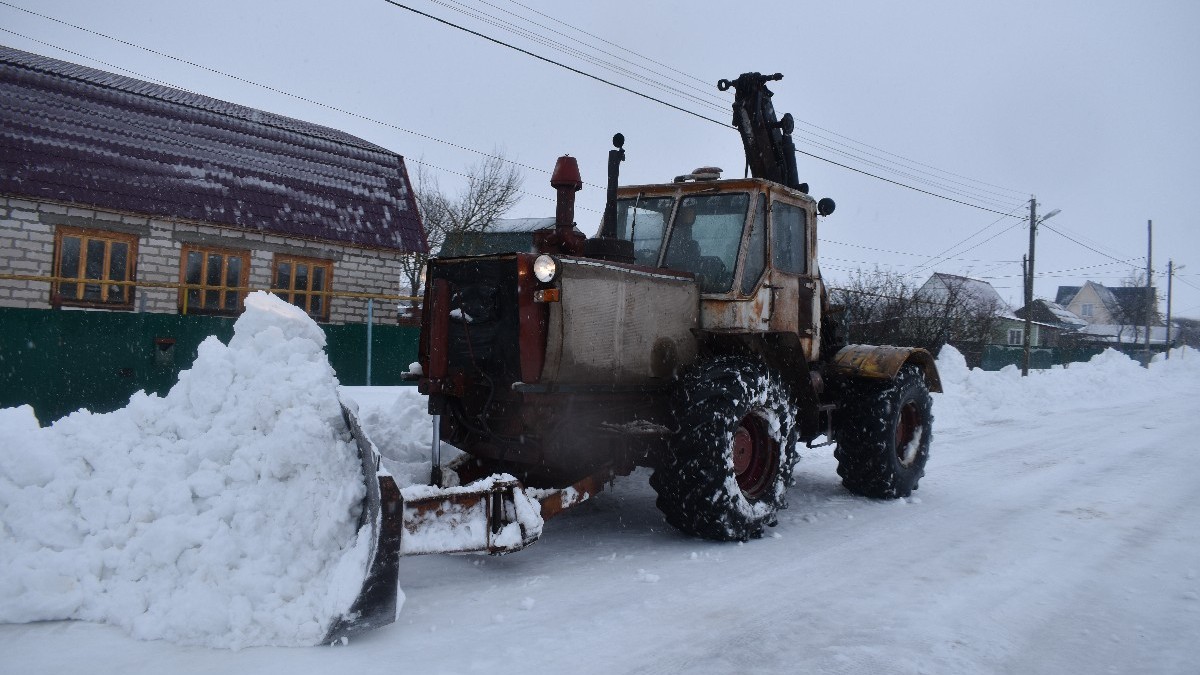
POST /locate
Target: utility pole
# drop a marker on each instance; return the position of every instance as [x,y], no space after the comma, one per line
[1170,278]
[1029,285]
[1150,301]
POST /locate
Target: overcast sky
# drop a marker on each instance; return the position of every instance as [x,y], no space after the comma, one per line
[1092,106]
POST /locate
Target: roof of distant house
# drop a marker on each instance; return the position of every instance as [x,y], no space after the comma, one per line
[976,291]
[83,136]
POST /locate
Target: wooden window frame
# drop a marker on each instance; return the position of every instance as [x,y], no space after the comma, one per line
[186,307]
[86,235]
[290,294]
[1019,333]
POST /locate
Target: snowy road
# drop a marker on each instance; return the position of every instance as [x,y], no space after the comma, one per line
[1054,533]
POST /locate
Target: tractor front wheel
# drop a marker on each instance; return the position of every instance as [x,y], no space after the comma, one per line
[728,468]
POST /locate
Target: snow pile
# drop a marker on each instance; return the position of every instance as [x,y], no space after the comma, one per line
[223,514]
[974,397]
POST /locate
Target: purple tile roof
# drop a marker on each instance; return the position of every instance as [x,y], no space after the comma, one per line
[74,134]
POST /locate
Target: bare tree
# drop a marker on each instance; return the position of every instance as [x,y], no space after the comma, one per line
[1132,304]
[493,187]
[875,304]
[884,307]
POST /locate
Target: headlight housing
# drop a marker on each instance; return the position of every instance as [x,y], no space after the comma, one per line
[546,268]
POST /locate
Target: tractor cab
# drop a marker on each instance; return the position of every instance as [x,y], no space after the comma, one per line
[750,243]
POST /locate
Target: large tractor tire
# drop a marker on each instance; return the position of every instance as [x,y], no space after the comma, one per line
[883,434]
[727,471]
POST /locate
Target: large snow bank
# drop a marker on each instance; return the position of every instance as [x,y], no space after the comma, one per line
[975,397]
[223,514]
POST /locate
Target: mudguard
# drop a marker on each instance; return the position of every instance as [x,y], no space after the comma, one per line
[884,363]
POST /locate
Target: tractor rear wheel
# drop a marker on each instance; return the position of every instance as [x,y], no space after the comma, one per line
[727,470]
[883,434]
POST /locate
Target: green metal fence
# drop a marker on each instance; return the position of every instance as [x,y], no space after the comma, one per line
[59,361]
[996,357]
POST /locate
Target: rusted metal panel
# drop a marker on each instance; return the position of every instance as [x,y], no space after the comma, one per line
[470,519]
[731,313]
[555,502]
[626,326]
[884,362]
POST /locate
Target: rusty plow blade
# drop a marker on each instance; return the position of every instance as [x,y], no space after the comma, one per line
[492,515]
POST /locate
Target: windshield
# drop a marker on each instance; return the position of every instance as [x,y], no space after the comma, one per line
[705,238]
[643,221]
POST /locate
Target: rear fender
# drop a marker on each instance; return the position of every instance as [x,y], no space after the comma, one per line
[883,363]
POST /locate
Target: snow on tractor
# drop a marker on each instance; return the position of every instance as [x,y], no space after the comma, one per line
[693,336]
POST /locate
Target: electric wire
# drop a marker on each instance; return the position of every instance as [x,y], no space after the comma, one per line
[455,145]
[705,99]
[272,89]
[230,154]
[938,258]
[1128,261]
[577,71]
[706,82]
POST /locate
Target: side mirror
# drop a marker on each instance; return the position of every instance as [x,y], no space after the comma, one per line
[825,206]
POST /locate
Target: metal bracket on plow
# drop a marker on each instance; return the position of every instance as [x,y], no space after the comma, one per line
[492,515]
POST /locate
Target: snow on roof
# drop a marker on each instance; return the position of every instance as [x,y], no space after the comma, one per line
[974,291]
[520,224]
[79,135]
[1063,314]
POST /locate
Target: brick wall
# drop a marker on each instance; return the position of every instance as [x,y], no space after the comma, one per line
[27,247]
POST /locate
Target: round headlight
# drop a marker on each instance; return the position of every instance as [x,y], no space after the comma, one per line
[545,268]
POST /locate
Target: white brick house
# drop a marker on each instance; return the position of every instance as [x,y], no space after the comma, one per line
[105,179]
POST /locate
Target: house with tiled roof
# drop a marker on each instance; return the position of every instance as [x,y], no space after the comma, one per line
[106,178]
[155,211]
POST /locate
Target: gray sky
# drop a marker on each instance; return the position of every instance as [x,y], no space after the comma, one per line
[1092,106]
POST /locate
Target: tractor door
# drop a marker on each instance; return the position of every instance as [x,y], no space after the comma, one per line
[792,275]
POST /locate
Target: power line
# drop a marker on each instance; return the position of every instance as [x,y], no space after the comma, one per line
[939,257]
[904,174]
[461,147]
[705,97]
[919,255]
[539,57]
[597,37]
[577,71]
[172,139]
[264,86]
[1128,261]
[702,81]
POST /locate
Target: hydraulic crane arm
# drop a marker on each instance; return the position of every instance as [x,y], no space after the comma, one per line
[770,152]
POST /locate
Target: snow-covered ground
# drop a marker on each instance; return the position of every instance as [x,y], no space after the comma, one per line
[1055,532]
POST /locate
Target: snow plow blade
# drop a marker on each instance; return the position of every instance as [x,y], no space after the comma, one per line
[375,604]
[492,515]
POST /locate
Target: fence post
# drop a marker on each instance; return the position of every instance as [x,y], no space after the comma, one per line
[370,321]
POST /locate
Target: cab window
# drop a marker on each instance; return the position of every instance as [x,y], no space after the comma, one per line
[705,236]
[789,232]
[643,221]
[756,249]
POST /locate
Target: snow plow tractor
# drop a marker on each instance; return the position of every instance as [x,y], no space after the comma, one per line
[693,336]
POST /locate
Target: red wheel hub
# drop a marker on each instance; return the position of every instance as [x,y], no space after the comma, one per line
[755,457]
[906,429]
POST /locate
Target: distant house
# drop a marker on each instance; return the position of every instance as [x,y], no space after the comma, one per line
[104,179]
[976,320]
[1051,320]
[1115,316]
